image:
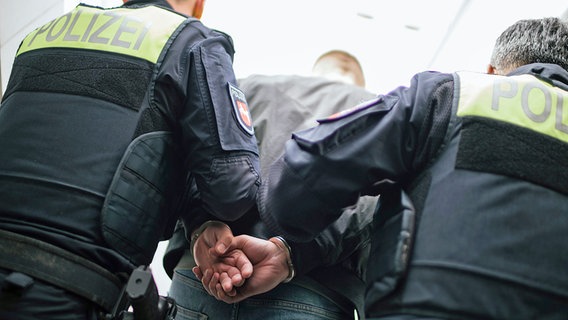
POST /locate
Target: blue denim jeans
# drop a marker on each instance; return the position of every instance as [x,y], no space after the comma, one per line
[285,302]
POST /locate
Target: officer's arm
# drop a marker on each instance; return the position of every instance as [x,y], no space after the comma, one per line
[347,235]
[326,168]
[221,153]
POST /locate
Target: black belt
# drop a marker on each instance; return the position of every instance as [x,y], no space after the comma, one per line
[59,267]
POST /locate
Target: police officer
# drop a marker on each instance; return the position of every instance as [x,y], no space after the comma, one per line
[472,175]
[109,117]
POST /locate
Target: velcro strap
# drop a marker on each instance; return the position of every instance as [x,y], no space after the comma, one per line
[59,267]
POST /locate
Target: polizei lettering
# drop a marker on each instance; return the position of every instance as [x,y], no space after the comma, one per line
[536,100]
[106,28]
[521,100]
[141,32]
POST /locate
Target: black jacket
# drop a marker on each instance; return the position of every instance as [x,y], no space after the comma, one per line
[472,165]
[106,114]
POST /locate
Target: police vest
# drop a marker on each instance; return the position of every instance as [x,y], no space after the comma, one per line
[487,240]
[139,204]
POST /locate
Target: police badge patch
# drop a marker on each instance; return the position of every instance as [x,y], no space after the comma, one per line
[241,109]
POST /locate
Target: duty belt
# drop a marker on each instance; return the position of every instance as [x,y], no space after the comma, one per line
[60,268]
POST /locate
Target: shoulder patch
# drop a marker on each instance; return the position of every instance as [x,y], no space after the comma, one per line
[241,109]
[357,108]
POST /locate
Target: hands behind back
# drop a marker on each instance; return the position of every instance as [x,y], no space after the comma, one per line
[211,245]
[270,266]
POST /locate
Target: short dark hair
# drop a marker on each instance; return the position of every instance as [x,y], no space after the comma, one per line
[532,41]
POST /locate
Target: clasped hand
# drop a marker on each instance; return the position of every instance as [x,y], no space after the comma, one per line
[232,269]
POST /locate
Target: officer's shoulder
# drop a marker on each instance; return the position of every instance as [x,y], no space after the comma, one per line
[431,79]
[195,25]
[434,74]
[223,34]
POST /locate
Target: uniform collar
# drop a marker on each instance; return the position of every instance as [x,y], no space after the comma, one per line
[551,73]
[143,3]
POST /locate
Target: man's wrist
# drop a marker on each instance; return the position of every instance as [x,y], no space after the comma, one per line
[281,243]
[197,232]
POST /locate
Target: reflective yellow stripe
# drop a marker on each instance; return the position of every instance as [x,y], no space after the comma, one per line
[141,33]
[522,100]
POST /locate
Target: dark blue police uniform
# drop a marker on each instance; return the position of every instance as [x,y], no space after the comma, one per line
[108,116]
[472,177]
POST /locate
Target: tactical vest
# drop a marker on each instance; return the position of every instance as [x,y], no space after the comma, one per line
[484,235]
[124,46]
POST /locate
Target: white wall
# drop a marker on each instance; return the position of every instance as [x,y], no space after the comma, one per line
[17,20]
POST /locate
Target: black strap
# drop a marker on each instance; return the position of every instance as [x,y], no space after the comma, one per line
[59,267]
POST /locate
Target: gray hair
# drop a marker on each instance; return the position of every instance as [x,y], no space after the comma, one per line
[532,41]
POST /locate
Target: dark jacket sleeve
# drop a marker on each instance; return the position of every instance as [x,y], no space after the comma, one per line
[218,151]
[349,234]
[329,166]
